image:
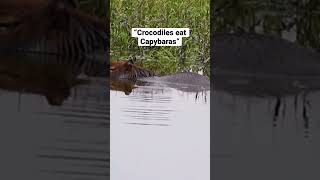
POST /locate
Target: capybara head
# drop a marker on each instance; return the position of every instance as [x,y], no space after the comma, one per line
[128,70]
[52,23]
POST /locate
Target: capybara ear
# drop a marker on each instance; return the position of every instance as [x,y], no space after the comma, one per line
[131,60]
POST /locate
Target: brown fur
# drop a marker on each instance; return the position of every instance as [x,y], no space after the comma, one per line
[128,70]
[54,21]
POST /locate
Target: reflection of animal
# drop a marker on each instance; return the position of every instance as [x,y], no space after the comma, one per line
[50,27]
[185,81]
[54,81]
[124,86]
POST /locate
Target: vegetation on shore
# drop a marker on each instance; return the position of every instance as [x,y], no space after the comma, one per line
[297,21]
[193,55]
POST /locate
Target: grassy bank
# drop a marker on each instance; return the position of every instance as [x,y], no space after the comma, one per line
[193,14]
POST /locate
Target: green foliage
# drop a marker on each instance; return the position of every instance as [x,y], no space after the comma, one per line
[194,14]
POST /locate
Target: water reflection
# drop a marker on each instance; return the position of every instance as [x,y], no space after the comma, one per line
[157,131]
[49,76]
[265,135]
[264,110]
[55,115]
[127,86]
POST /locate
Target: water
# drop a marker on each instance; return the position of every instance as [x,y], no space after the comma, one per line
[266,137]
[54,122]
[160,133]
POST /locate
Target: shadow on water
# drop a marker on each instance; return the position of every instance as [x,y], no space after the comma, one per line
[55,118]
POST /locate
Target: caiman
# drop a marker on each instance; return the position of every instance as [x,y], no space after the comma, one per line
[186,81]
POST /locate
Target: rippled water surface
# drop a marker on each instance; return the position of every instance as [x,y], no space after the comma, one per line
[53,125]
[40,141]
[160,133]
[266,137]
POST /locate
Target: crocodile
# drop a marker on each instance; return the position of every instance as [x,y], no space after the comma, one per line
[253,64]
[185,81]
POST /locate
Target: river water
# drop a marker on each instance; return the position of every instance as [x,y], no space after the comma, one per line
[53,125]
[160,133]
[266,137]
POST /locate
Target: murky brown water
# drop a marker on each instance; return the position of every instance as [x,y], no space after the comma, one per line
[160,133]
